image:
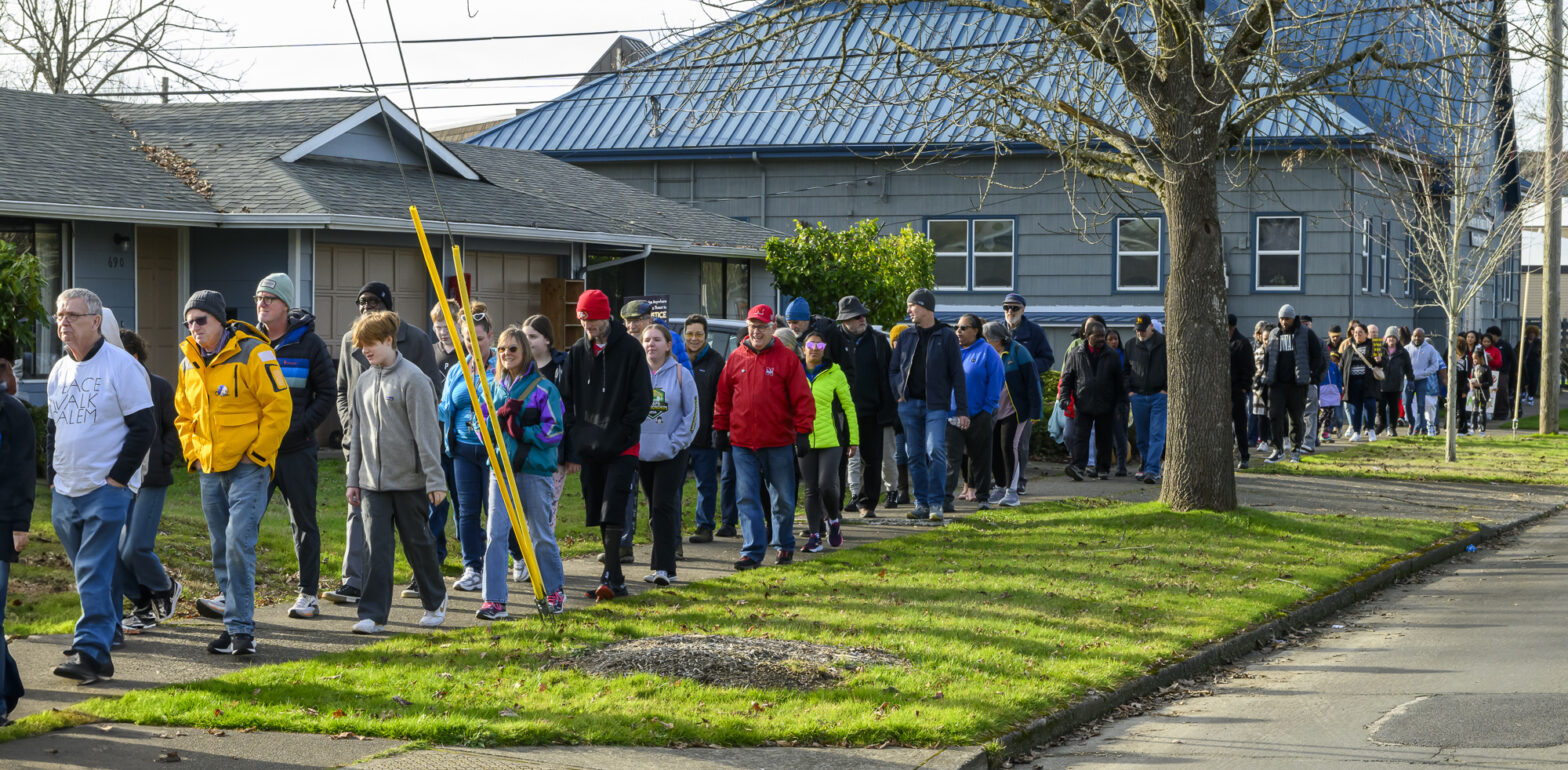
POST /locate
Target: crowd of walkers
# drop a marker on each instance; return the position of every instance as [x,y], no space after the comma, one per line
[832,413]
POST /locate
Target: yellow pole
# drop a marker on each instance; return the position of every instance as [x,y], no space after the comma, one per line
[509,498]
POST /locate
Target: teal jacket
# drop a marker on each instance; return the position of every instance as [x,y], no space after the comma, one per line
[541,442]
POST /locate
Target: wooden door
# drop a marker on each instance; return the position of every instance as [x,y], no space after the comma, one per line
[157,298]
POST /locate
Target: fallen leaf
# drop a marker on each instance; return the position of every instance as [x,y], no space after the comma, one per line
[334,676]
[217,712]
[250,729]
[169,755]
[338,713]
[401,701]
[216,733]
[508,713]
[105,728]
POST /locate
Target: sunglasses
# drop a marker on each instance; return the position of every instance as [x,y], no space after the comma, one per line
[370,303]
[1012,308]
[816,346]
[197,322]
[509,349]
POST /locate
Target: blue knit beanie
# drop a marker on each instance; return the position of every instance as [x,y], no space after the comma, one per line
[798,310]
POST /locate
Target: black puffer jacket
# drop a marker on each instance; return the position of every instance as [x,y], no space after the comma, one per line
[18,455]
[1146,365]
[1097,380]
[166,442]
[1396,369]
[705,369]
[606,397]
[307,365]
[1242,365]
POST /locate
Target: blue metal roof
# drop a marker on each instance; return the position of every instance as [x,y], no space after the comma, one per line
[669,105]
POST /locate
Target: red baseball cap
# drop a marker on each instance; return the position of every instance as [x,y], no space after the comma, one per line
[761,313]
[593,305]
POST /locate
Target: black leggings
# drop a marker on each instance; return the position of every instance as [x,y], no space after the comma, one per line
[819,471]
[1388,412]
[1008,444]
[661,484]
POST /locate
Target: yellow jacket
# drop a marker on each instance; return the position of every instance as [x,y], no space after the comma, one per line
[235,406]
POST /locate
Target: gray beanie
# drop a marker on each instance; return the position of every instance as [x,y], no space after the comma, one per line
[1286,311]
[924,298]
[278,285]
[209,302]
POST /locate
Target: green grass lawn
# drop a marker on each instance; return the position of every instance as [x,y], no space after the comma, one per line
[1529,459]
[1533,422]
[43,592]
[1002,616]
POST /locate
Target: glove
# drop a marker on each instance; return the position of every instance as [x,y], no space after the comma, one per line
[508,411]
[802,444]
[528,417]
[721,440]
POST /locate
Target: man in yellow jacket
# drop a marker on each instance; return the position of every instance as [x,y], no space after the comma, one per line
[234,407]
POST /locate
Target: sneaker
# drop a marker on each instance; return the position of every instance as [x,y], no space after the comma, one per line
[1371,435]
[142,616]
[472,580]
[1274,457]
[997,495]
[1295,457]
[1121,472]
[555,603]
[983,505]
[304,607]
[343,594]
[680,551]
[435,617]
[1350,433]
[163,603]
[1075,473]
[868,514]
[746,563]
[412,590]
[368,627]
[627,556]
[892,500]
[492,611]
[606,592]
[118,640]
[728,530]
[211,609]
[1105,476]
[659,578]
[519,571]
[1010,499]
[1353,438]
[1139,475]
[1153,478]
[238,644]
[947,507]
[1243,465]
[784,557]
[703,535]
[813,544]
[83,668]
[851,507]
[918,512]
[936,515]
[1308,449]
[1023,486]
[835,533]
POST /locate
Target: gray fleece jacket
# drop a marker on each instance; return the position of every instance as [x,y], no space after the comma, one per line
[395,443]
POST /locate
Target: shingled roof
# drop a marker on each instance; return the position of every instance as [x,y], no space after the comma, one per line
[223,162]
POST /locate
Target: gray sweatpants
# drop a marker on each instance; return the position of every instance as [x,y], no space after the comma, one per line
[408,512]
[1312,437]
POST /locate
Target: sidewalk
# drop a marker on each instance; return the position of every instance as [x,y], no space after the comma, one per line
[1462,666]
[175,653]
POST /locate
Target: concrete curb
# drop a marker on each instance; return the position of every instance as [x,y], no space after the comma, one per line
[1053,726]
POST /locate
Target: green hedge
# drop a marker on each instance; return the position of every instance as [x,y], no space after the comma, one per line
[40,424]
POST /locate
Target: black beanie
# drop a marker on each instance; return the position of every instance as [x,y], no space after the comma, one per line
[209,302]
[380,290]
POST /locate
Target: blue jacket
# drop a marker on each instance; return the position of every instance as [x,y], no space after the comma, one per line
[983,377]
[455,411]
[1032,337]
[541,442]
[944,367]
[1023,382]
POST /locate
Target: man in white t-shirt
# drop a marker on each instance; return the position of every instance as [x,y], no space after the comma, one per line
[101,424]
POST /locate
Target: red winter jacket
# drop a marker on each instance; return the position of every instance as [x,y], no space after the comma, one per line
[763,398]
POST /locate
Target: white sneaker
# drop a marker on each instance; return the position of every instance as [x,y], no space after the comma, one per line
[434,617]
[519,571]
[1371,435]
[472,580]
[304,607]
[658,577]
[368,626]
[1350,434]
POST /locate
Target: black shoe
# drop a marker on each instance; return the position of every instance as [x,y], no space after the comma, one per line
[412,591]
[851,507]
[893,500]
[83,668]
[626,556]
[1105,476]
[868,514]
[1023,487]
[163,603]
[728,530]
[1243,465]
[1120,472]
[238,644]
[119,637]
[1151,479]
[704,535]
[746,563]
[1075,473]
[680,551]
[784,557]
[344,594]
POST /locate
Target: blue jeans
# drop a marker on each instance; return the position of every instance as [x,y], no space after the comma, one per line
[1415,405]
[729,509]
[1148,418]
[439,514]
[89,530]
[470,469]
[6,664]
[775,468]
[1362,413]
[233,502]
[538,496]
[928,462]
[139,565]
[705,466]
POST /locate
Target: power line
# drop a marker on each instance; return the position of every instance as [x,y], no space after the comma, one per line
[423,41]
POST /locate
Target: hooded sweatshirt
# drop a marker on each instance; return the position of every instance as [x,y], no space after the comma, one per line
[606,394]
[396,444]
[307,366]
[673,418]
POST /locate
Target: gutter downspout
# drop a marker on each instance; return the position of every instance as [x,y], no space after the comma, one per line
[762,204]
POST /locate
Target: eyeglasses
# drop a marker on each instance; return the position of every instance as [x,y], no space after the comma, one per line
[68,317]
[816,346]
[370,302]
[265,299]
[196,322]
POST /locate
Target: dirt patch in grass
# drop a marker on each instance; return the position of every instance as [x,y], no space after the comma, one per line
[731,661]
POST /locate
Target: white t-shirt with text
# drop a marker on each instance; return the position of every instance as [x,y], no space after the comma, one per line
[88,402]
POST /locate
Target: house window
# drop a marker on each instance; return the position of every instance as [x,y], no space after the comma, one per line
[1366,255]
[1138,253]
[1410,268]
[1388,242]
[974,253]
[1278,254]
[725,290]
[43,240]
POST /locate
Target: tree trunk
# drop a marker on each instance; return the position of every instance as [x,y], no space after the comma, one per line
[1451,418]
[1199,473]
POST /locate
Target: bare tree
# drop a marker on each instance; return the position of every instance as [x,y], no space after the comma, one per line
[88,46]
[1457,196]
[1145,95]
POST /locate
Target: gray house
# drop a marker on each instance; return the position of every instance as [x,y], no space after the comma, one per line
[144,203]
[770,149]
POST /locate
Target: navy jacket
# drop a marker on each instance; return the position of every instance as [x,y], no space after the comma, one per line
[705,368]
[307,365]
[19,456]
[166,443]
[873,396]
[944,367]
[1032,337]
[1023,382]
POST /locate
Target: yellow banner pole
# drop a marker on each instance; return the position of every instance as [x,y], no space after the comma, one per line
[509,498]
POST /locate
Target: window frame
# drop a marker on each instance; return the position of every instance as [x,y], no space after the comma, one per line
[725,265]
[1301,253]
[1388,240]
[1159,254]
[44,336]
[1366,255]
[969,285]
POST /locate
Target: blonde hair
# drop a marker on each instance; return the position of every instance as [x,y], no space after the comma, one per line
[375,327]
[892,336]
[786,335]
